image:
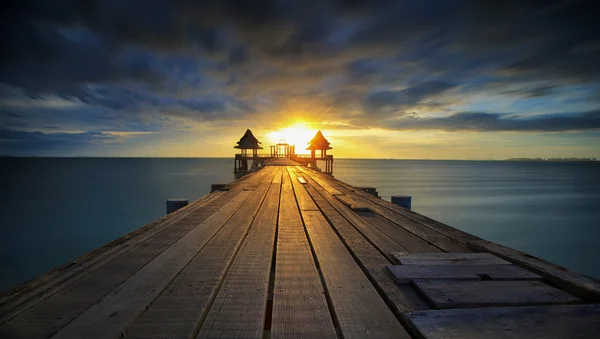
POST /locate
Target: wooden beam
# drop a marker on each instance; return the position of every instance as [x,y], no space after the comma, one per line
[358,307]
[532,322]
[239,309]
[572,282]
[464,294]
[454,259]
[400,298]
[409,241]
[299,296]
[405,274]
[49,315]
[110,316]
[182,306]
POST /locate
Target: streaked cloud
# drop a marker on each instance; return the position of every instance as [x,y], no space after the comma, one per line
[167,66]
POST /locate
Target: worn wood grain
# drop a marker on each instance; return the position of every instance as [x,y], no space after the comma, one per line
[240,306]
[359,309]
[320,180]
[435,225]
[572,282]
[108,317]
[463,294]
[533,322]
[305,203]
[407,240]
[300,308]
[87,290]
[400,298]
[381,241]
[404,274]
[25,295]
[455,259]
[432,236]
[182,304]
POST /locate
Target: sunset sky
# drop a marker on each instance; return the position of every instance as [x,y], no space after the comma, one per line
[381,78]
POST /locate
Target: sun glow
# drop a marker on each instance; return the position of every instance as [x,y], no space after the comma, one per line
[297,135]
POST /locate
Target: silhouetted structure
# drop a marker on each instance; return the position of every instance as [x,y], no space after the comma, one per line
[282,149]
[247,141]
[319,142]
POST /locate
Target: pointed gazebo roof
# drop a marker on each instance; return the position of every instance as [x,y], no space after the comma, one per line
[318,142]
[248,141]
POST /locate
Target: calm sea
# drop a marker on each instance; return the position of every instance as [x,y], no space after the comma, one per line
[52,210]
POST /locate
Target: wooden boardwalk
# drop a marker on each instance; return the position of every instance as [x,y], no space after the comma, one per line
[288,252]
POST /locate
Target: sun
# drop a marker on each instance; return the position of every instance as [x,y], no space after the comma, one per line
[296,134]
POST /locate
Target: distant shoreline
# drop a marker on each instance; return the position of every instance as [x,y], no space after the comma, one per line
[554,159]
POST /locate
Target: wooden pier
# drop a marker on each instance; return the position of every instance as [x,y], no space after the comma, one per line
[289,252]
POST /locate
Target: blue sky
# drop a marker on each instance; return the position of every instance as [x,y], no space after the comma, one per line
[427,79]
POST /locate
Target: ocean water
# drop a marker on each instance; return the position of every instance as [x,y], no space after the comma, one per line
[53,210]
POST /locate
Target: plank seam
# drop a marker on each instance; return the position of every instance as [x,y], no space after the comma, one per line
[387,218]
[400,316]
[328,201]
[229,264]
[333,314]
[271,287]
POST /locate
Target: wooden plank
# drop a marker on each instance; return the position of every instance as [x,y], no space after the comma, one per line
[381,241]
[240,306]
[304,200]
[532,322]
[360,311]
[404,274]
[409,241]
[108,317]
[300,309]
[401,299]
[456,234]
[463,294]
[28,295]
[319,179]
[354,205]
[454,259]
[431,236]
[572,282]
[181,306]
[90,288]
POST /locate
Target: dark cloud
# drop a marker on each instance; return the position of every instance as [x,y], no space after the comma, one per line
[14,142]
[493,122]
[356,61]
[396,99]
[532,92]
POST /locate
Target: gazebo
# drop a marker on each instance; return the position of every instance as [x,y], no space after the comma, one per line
[247,141]
[320,143]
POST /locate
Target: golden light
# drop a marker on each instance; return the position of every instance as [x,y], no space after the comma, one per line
[297,135]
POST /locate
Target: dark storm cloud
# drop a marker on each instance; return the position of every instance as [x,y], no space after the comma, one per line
[490,122]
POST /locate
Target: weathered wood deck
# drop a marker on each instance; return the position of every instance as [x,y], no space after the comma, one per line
[288,252]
